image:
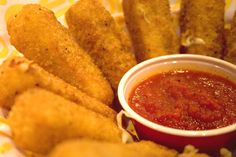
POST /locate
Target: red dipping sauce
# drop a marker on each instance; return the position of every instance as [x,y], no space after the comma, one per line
[188,100]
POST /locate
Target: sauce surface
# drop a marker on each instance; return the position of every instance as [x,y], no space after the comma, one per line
[188,100]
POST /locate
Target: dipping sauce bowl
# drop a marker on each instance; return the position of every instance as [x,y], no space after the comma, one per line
[205,140]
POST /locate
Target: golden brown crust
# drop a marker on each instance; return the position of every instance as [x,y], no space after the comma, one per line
[151,28]
[39,36]
[91,148]
[202,27]
[17,74]
[98,33]
[40,119]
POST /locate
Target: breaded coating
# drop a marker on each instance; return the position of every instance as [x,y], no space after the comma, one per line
[17,74]
[89,148]
[97,32]
[40,119]
[36,33]
[231,43]
[151,28]
[202,27]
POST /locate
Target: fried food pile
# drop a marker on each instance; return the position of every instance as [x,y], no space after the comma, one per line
[50,119]
[151,28]
[141,149]
[37,34]
[202,27]
[20,74]
[102,38]
[202,32]
[60,94]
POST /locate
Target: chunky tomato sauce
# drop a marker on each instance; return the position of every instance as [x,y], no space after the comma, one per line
[188,100]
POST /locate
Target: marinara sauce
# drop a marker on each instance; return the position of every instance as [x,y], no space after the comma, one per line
[188,100]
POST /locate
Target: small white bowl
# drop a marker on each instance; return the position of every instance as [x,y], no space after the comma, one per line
[206,140]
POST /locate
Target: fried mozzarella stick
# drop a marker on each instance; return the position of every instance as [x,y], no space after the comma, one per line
[40,119]
[17,74]
[151,28]
[97,32]
[90,148]
[202,27]
[36,33]
[231,43]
